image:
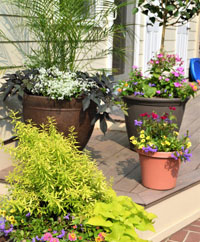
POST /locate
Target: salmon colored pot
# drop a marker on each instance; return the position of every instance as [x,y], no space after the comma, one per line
[159,171]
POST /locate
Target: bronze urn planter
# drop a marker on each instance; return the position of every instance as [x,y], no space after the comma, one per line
[65,113]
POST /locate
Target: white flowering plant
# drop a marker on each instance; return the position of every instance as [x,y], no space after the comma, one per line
[60,85]
[159,134]
[65,85]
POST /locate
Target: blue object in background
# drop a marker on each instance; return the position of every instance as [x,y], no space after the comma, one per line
[194,70]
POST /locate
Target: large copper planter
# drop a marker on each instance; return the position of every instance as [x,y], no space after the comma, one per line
[138,105]
[66,114]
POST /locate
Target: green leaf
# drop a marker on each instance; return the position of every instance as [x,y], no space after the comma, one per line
[99,221]
[117,232]
[149,91]
[170,7]
[135,10]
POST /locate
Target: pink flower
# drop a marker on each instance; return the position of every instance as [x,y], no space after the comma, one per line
[198,81]
[158,91]
[72,236]
[54,240]
[154,115]
[47,237]
[184,80]
[160,55]
[151,61]
[176,74]
[166,79]
[160,78]
[177,84]
[157,62]
[134,67]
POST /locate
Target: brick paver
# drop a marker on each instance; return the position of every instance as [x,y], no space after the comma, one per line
[190,233]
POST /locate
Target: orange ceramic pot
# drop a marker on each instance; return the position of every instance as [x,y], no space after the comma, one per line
[159,171]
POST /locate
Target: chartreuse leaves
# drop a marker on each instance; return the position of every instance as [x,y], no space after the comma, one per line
[53,176]
[121,217]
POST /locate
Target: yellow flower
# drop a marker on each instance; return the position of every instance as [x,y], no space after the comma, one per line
[167,142]
[12,210]
[132,137]
[22,221]
[134,142]
[13,222]
[142,136]
[189,144]
[3,213]
[164,137]
[142,132]
[162,143]
[12,218]
[176,133]
[143,140]
[148,138]
[140,146]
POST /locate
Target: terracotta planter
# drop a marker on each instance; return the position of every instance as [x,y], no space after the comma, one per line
[66,114]
[138,105]
[159,171]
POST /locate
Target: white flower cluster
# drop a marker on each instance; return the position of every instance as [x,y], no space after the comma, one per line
[60,85]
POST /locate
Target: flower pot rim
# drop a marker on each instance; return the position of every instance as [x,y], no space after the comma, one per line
[153,99]
[45,97]
[157,154]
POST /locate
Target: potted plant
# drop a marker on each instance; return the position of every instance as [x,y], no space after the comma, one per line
[165,86]
[56,193]
[55,81]
[160,149]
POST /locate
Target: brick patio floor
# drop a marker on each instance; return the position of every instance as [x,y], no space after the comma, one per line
[190,233]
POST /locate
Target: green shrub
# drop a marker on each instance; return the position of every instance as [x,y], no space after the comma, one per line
[51,176]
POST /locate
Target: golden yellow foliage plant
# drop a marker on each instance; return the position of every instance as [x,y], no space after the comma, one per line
[51,176]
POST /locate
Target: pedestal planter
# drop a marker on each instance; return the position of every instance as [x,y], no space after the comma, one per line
[138,105]
[159,171]
[66,114]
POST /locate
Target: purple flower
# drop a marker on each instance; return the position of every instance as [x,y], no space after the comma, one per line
[152,85]
[170,95]
[38,239]
[33,239]
[137,123]
[135,83]
[173,156]
[177,84]
[149,149]
[55,232]
[165,90]
[67,216]
[62,234]
[28,215]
